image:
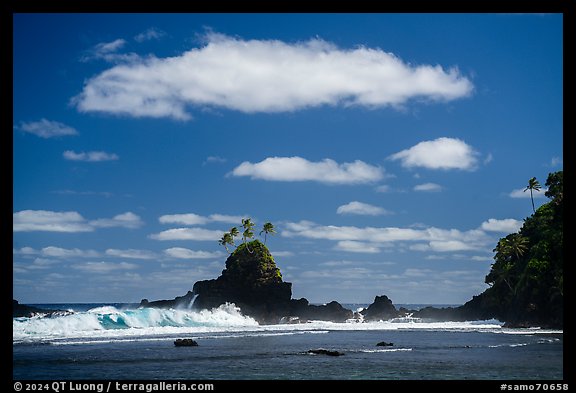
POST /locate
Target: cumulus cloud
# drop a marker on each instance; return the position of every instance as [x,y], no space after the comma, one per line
[362,209]
[47,129]
[521,193]
[290,169]
[124,220]
[423,239]
[50,221]
[508,225]
[264,76]
[195,219]
[57,252]
[108,51]
[185,253]
[103,267]
[149,34]
[355,246]
[441,153]
[131,253]
[91,156]
[428,187]
[197,234]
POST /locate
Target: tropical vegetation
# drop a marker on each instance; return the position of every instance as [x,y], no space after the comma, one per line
[527,277]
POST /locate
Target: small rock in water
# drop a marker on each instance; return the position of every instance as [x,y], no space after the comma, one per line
[325,352]
[185,342]
[384,344]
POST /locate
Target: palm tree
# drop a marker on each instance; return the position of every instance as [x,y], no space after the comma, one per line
[226,240]
[248,231]
[267,228]
[234,232]
[517,245]
[533,184]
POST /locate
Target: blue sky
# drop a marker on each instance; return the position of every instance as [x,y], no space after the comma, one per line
[389,150]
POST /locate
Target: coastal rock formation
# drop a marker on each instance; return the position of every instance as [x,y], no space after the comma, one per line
[22,310]
[253,282]
[178,302]
[381,309]
[250,280]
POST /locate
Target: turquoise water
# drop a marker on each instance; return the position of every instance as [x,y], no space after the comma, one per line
[120,342]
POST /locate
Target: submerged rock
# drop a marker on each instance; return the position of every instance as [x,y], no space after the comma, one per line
[321,351]
[185,342]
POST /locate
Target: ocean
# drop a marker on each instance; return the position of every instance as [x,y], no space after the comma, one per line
[120,341]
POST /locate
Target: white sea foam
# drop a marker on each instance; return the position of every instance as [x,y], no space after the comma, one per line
[109,324]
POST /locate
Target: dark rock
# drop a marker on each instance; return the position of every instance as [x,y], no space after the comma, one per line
[178,302]
[384,344]
[185,342]
[22,310]
[381,309]
[253,282]
[322,351]
[332,311]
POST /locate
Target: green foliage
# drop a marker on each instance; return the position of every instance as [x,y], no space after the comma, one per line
[253,262]
[526,277]
[533,185]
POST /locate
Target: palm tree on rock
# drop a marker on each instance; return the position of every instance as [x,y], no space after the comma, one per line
[234,232]
[226,240]
[267,228]
[533,185]
[248,232]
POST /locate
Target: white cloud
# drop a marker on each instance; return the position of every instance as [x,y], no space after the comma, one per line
[124,220]
[197,234]
[282,254]
[383,188]
[327,171]
[184,219]
[91,156]
[263,76]
[49,221]
[508,225]
[441,153]
[555,161]
[57,252]
[360,208]
[108,47]
[103,267]
[424,239]
[355,246]
[108,51]
[451,245]
[428,187]
[185,253]
[214,160]
[195,219]
[226,218]
[520,193]
[131,253]
[47,129]
[150,34]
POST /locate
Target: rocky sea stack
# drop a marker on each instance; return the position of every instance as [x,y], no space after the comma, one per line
[251,280]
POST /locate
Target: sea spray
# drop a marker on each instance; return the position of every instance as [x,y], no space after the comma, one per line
[109,321]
